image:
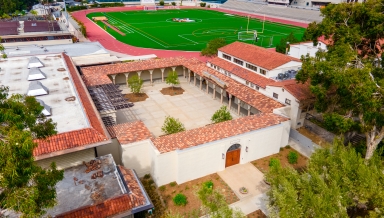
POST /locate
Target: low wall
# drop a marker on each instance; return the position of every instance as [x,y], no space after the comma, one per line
[323,133]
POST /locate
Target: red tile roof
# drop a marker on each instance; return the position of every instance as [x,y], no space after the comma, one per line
[113,206]
[257,100]
[96,133]
[136,194]
[248,75]
[299,90]
[216,132]
[256,55]
[106,208]
[129,132]
[242,92]
[97,75]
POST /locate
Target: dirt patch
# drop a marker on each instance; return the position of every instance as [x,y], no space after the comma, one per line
[257,214]
[263,163]
[172,92]
[132,97]
[189,189]
[315,138]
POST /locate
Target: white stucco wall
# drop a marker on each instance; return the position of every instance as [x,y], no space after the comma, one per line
[302,49]
[164,168]
[138,156]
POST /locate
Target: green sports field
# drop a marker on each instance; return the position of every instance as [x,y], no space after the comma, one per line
[158,30]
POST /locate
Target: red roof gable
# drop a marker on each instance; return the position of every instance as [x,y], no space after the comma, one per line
[299,90]
[248,75]
[256,55]
[62,141]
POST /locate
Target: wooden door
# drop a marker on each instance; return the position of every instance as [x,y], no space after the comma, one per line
[232,158]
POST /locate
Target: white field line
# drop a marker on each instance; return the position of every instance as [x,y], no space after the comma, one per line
[141,33]
[188,39]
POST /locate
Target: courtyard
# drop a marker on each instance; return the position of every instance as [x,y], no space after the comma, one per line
[194,108]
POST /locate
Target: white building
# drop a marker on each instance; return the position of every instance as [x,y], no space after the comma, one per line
[303,48]
[263,70]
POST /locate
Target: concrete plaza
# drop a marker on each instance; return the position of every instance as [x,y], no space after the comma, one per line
[194,108]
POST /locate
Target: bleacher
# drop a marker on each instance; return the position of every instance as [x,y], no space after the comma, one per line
[262,7]
[8,28]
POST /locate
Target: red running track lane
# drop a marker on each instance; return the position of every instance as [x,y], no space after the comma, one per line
[95,33]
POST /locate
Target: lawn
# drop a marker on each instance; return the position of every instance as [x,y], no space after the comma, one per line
[158,30]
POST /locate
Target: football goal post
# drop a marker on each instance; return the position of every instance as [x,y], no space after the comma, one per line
[247,35]
[150,8]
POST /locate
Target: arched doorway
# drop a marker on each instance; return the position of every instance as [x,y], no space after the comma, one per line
[233,155]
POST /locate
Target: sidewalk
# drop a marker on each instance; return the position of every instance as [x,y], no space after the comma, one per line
[304,150]
[252,203]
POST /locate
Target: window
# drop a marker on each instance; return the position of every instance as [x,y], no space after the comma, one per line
[211,65]
[229,74]
[257,87]
[287,101]
[263,72]
[250,66]
[237,61]
[275,95]
[252,85]
[246,83]
[227,57]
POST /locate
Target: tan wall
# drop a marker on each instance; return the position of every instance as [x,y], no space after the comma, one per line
[113,148]
[68,160]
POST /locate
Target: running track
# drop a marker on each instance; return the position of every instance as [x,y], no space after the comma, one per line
[95,33]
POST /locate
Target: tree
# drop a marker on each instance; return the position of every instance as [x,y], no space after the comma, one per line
[6,16]
[338,182]
[284,43]
[135,83]
[215,205]
[172,125]
[221,115]
[172,79]
[25,186]
[34,12]
[212,47]
[348,80]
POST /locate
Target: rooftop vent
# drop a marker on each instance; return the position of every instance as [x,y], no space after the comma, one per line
[35,74]
[36,88]
[35,62]
[47,110]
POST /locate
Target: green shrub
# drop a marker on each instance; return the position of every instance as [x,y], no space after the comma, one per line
[203,4]
[161,3]
[162,188]
[209,6]
[173,3]
[147,176]
[172,184]
[281,149]
[180,200]
[208,184]
[287,146]
[292,157]
[274,162]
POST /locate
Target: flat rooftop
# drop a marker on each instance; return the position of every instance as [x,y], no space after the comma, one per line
[73,50]
[68,114]
[78,189]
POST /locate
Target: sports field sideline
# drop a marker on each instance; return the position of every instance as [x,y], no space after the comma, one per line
[158,30]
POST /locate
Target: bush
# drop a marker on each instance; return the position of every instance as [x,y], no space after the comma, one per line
[161,3]
[162,188]
[292,157]
[221,115]
[172,184]
[76,8]
[274,162]
[147,176]
[172,125]
[209,6]
[180,200]
[203,4]
[287,146]
[173,3]
[208,184]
